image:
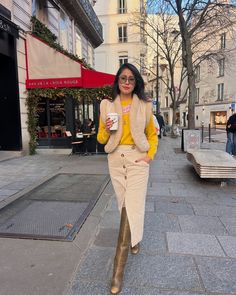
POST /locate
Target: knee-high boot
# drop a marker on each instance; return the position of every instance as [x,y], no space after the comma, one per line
[122,251]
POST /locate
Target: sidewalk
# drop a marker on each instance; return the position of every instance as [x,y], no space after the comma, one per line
[189,244]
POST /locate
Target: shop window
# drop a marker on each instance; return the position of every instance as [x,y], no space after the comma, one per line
[122,33]
[51,118]
[122,6]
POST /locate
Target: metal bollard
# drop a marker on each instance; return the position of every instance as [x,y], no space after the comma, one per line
[202,130]
[209,131]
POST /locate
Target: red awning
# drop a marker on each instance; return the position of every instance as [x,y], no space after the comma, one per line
[48,68]
[94,79]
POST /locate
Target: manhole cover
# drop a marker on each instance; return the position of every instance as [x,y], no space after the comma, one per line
[55,210]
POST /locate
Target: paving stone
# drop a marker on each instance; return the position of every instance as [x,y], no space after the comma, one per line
[229,245]
[85,288]
[161,222]
[214,210]
[111,219]
[174,208]
[106,237]
[202,225]
[156,291]
[153,243]
[161,191]
[230,224]
[112,206]
[163,272]
[82,287]
[218,274]
[8,192]
[149,206]
[194,244]
[96,265]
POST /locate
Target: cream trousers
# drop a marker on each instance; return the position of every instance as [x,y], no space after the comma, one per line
[129,180]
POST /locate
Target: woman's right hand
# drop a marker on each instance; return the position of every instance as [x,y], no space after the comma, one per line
[109,124]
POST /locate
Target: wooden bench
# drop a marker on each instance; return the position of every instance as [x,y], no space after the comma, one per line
[212,163]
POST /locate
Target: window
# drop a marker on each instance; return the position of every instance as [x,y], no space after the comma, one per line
[64,30]
[122,6]
[90,55]
[142,9]
[197,91]
[122,33]
[40,10]
[220,93]
[167,102]
[197,74]
[78,44]
[221,67]
[142,63]
[123,59]
[142,32]
[222,40]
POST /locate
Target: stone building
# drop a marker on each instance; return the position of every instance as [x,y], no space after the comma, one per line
[24,58]
[123,41]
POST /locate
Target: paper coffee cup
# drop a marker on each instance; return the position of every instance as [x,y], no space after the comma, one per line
[114,117]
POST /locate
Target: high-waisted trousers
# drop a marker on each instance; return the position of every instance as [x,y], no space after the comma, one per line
[129,180]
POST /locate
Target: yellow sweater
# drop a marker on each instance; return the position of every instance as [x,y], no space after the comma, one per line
[126,138]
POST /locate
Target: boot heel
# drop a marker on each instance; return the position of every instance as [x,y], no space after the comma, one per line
[135,249]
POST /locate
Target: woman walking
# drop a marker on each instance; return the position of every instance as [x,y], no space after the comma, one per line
[130,149]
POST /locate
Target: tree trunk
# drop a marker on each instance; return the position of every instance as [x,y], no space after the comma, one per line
[191,84]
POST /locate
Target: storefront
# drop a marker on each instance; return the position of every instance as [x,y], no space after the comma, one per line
[9,92]
[218,119]
[56,115]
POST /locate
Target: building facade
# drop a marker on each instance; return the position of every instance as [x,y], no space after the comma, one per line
[215,84]
[123,41]
[76,28]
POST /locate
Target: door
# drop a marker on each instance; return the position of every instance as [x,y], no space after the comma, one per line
[10,126]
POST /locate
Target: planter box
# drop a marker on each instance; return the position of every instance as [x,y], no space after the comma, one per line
[191,139]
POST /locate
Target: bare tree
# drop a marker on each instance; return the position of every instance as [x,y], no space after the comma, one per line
[199,23]
[160,29]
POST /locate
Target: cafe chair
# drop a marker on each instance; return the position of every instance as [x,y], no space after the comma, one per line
[74,144]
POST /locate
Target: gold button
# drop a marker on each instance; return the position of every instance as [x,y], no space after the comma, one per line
[124,166]
[122,155]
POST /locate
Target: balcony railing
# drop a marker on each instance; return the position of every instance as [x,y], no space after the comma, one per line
[84,15]
[92,15]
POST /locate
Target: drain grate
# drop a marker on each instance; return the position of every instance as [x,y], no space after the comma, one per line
[55,210]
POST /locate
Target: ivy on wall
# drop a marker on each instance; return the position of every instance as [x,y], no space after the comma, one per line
[80,94]
[42,32]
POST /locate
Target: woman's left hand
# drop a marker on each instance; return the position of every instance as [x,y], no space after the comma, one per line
[146,159]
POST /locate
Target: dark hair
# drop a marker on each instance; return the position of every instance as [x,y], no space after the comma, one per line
[139,83]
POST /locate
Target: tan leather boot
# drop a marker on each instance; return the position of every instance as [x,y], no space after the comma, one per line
[122,251]
[135,249]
